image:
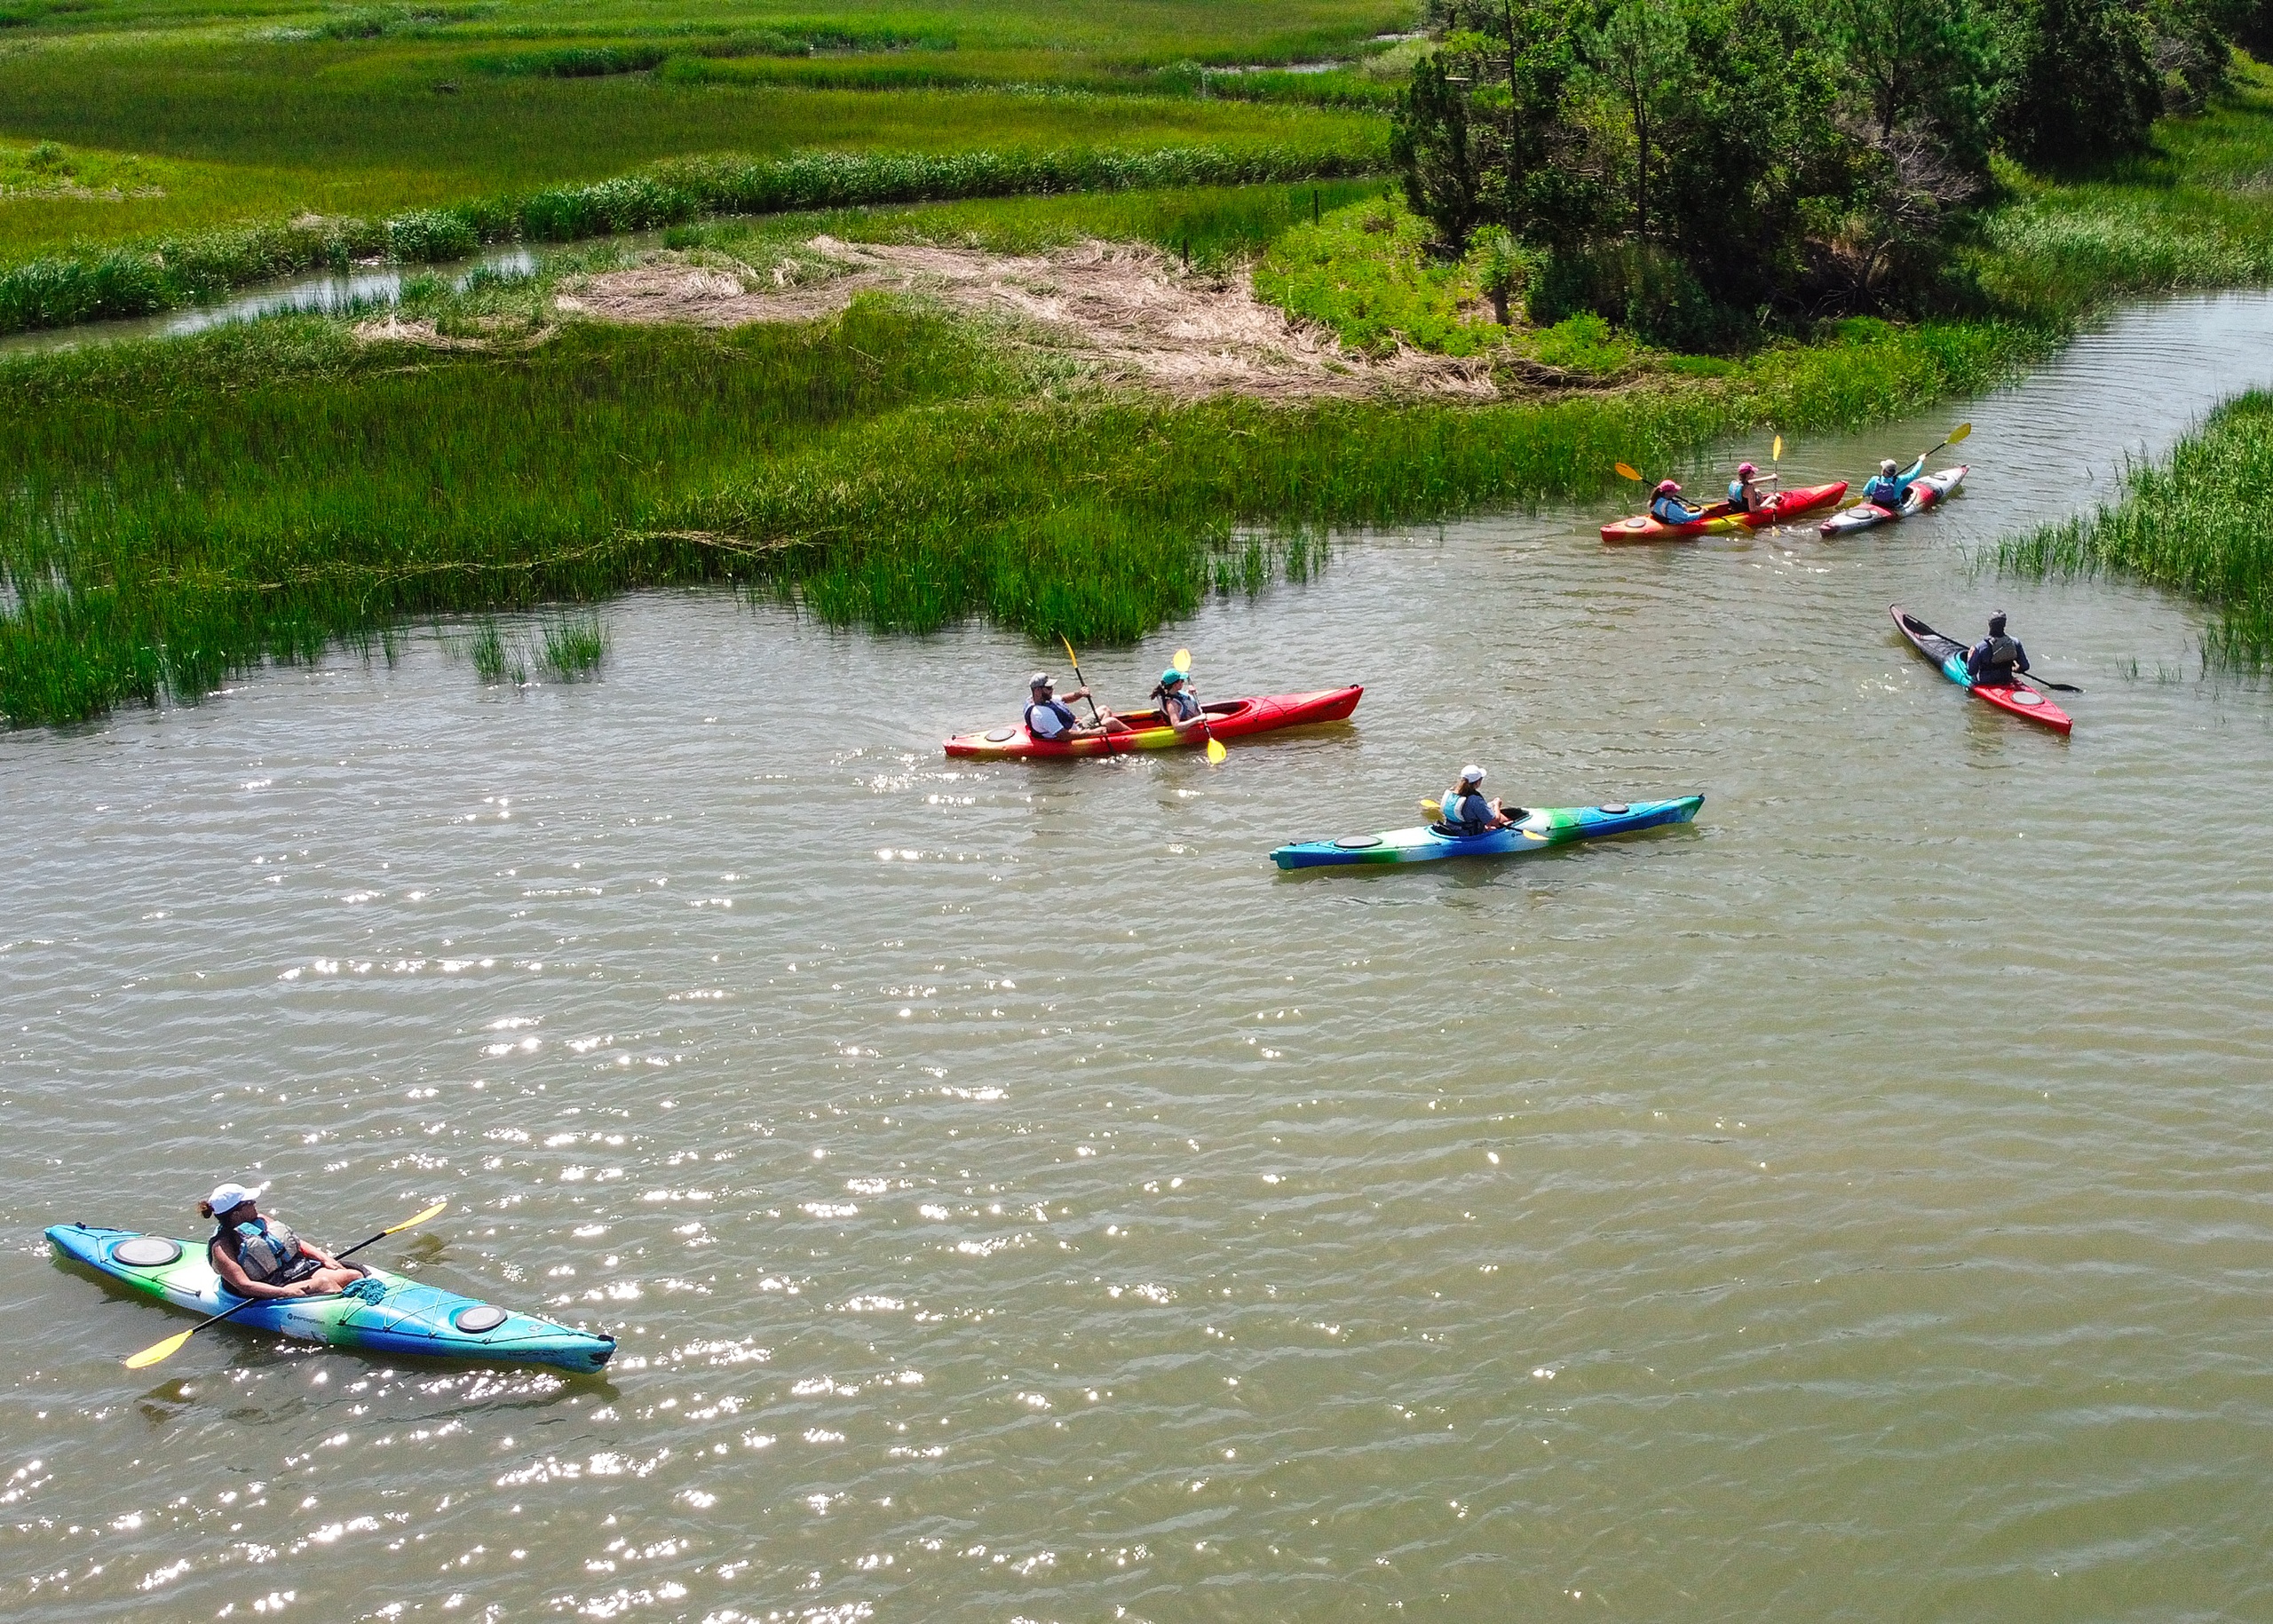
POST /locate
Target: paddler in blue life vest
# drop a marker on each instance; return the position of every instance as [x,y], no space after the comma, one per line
[1048,717]
[1465,810]
[1891,485]
[1744,493]
[260,1257]
[1667,507]
[1997,660]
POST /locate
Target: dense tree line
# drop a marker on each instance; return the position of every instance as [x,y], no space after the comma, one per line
[1694,167]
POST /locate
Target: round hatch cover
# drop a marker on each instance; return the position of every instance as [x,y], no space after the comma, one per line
[481,1317]
[2027,696]
[1003,735]
[145,1252]
[1359,843]
[1614,808]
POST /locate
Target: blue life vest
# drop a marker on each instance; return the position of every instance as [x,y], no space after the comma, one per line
[1468,811]
[1883,492]
[1055,709]
[1672,510]
[1737,503]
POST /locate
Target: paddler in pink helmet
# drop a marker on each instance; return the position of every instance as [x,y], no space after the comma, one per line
[1746,495]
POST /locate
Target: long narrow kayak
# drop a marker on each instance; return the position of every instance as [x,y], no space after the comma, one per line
[1785,505]
[1148,730]
[401,1317]
[1949,653]
[1926,491]
[1533,831]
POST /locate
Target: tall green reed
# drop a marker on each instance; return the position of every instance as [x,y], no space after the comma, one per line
[173,514]
[2200,523]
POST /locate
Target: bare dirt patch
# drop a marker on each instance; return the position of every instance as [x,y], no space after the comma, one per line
[1130,313]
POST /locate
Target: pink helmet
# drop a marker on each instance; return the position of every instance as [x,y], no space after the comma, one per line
[1668,487]
[1745,471]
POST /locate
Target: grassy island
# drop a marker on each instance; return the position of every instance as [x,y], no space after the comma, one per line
[894,344]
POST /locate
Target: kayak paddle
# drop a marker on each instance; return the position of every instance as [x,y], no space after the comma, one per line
[1081,681]
[2042,682]
[1215,751]
[158,1352]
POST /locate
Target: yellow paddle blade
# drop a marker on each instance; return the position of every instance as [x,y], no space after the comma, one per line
[420,1218]
[1182,661]
[1071,658]
[1435,808]
[1625,472]
[1776,454]
[1216,752]
[1959,433]
[155,1352]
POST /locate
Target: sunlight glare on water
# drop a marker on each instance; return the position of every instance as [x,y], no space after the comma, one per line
[1017,1199]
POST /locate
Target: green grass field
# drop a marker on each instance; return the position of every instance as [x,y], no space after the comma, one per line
[230,113]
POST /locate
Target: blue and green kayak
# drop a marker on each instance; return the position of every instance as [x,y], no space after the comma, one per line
[1533,831]
[387,1315]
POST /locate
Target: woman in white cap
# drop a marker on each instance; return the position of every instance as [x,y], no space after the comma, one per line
[1466,811]
[260,1257]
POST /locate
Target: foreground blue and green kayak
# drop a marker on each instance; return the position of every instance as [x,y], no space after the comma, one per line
[391,1316]
[1533,831]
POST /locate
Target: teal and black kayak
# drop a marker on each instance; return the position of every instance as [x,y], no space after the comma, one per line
[1533,831]
[385,1314]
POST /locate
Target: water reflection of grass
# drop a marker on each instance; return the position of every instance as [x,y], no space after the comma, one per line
[178,511]
[2200,522]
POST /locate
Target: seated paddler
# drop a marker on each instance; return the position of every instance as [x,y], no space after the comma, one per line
[1048,717]
[1179,704]
[1465,810]
[258,1257]
[1749,492]
[1888,487]
[1667,507]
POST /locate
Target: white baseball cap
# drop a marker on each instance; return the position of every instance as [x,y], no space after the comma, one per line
[228,1198]
[1472,775]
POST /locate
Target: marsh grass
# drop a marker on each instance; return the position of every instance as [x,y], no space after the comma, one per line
[496,658]
[176,512]
[2199,523]
[572,649]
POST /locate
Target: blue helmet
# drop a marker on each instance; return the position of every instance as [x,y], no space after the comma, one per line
[1171,677]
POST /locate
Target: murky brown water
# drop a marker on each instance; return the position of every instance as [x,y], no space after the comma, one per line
[1020,1201]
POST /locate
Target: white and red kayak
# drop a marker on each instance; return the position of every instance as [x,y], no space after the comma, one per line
[1148,730]
[1926,491]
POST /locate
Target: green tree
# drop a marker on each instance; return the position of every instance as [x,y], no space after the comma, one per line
[1432,142]
[2085,90]
[1640,54]
[1929,63]
[1525,53]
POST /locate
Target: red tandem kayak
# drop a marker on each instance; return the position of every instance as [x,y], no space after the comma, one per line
[1949,653]
[1148,730]
[1718,521]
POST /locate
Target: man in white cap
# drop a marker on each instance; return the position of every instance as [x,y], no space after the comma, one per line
[1048,717]
[1466,811]
[260,1257]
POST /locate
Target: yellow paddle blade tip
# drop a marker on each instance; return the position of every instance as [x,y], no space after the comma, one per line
[1216,752]
[1623,472]
[1183,660]
[162,1351]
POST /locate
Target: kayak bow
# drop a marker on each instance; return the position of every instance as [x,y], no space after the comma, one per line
[1149,730]
[1533,831]
[1949,653]
[1926,491]
[402,1318]
[1783,505]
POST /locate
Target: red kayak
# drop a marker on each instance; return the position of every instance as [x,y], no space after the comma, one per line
[1718,521]
[1148,730]
[1949,653]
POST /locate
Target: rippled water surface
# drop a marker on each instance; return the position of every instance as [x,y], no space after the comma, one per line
[1018,1201]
